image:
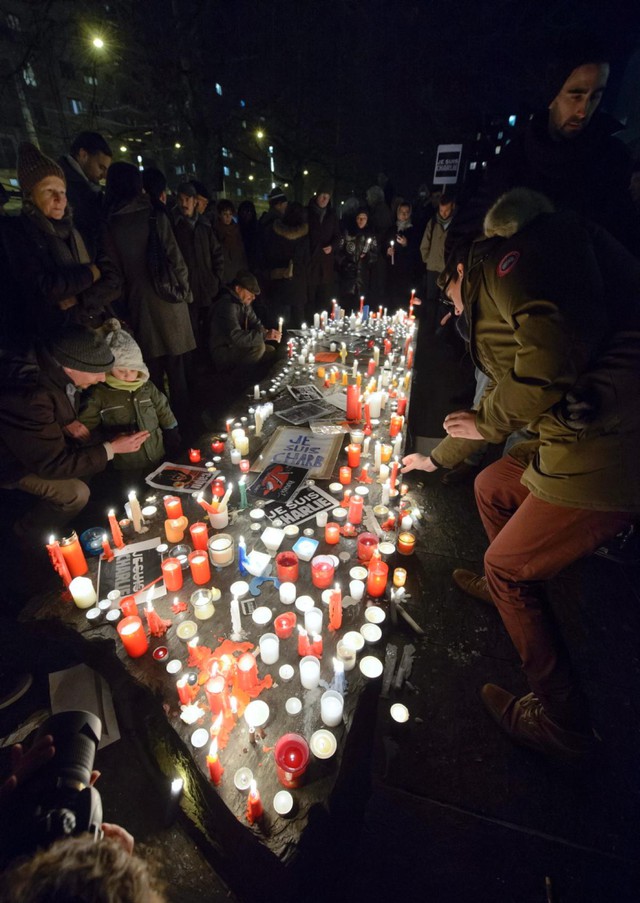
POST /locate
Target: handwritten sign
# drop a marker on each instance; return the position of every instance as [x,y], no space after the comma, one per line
[301,448]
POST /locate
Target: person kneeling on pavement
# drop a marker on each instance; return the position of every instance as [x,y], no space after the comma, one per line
[44,449]
[535,291]
[127,402]
[237,338]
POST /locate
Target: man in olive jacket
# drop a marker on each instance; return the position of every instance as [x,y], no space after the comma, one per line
[534,292]
[237,338]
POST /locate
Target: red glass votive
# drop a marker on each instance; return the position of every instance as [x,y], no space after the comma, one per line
[172,574]
[128,606]
[322,571]
[73,555]
[194,455]
[200,570]
[245,465]
[247,671]
[173,506]
[345,475]
[371,367]
[377,577]
[332,533]
[218,489]
[199,535]
[133,637]
[356,504]
[367,543]
[214,690]
[353,395]
[292,757]
[287,567]
[402,405]
[353,455]
[406,543]
[284,624]
[395,425]
[217,446]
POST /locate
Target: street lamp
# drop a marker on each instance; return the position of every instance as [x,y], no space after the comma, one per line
[259,134]
[177,145]
[98,43]
[305,172]
[123,148]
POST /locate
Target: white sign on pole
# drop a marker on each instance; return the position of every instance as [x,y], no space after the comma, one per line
[447,164]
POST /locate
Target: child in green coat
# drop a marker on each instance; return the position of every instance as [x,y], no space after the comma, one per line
[127,402]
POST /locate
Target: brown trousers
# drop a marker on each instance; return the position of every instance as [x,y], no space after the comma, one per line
[531,541]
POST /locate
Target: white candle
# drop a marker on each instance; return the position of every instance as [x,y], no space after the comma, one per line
[376,355]
[316,321]
[136,512]
[377,456]
[331,707]
[346,654]
[288,593]
[309,672]
[365,446]
[397,445]
[236,623]
[356,589]
[269,648]
[384,474]
[243,446]
[384,497]
[82,592]
[259,421]
[313,621]
[256,393]
[221,550]
[280,324]
[375,405]
[354,370]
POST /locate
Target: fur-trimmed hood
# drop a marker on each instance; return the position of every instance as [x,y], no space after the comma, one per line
[284,230]
[513,211]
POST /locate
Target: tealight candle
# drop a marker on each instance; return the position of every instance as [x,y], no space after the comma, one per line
[186,631]
[345,475]
[332,533]
[399,577]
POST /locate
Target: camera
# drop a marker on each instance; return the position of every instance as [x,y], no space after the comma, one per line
[58,799]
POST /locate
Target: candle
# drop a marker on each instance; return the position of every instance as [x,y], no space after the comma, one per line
[106,548]
[309,672]
[199,565]
[221,549]
[385,453]
[82,592]
[377,577]
[174,529]
[254,804]
[57,560]
[128,606]
[313,620]
[353,455]
[354,370]
[322,571]
[186,692]
[247,672]
[287,567]
[256,393]
[116,532]
[284,624]
[194,455]
[346,654]
[269,645]
[402,405]
[243,446]
[376,355]
[397,445]
[399,577]
[287,593]
[353,395]
[384,497]
[331,708]
[356,504]
[332,533]
[393,477]
[242,487]
[202,602]
[199,535]
[291,756]
[133,636]
[73,555]
[171,574]
[335,609]
[356,589]
[377,456]
[406,543]
[173,506]
[367,543]
[213,763]
[214,690]
[395,425]
[345,475]
[217,446]
[303,642]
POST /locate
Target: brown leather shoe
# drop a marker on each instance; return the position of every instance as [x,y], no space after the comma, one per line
[473,585]
[525,722]
[463,473]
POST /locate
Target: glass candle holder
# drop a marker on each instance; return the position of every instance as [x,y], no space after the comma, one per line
[377,577]
[269,645]
[345,475]
[200,570]
[133,637]
[287,567]
[385,453]
[353,455]
[199,535]
[356,589]
[219,519]
[172,574]
[247,671]
[245,465]
[346,654]
[406,543]
[309,672]
[367,543]
[399,577]
[356,505]
[194,455]
[284,624]
[331,708]
[322,518]
[221,550]
[395,425]
[128,606]
[322,571]
[173,506]
[313,621]
[332,533]
[214,691]
[202,602]
[73,555]
[291,756]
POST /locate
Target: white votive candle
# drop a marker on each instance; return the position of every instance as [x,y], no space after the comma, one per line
[269,648]
[313,621]
[309,672]
[82,592]
[287,593]
[331,707]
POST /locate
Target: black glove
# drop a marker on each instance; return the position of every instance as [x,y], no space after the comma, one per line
[172,442]
[579,408]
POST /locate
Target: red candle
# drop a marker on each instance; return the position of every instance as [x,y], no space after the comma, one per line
[254,804]
[128,606]
[217,446]
[377,577]
[393,477]
[73,555]
[322,571]
[332,533]
[316,646]
[217,489]
[284,624]
[116,532]
[133,636]
[402,405]
[173,506]
[353,394]
[345,498]
[287,569]
[157,626]
[406,543]
[304,647]
[353,455]
[371,367]
[395,425]
[199,534]
[172,574]
[291,755]
[361,302]
[194,455]
[335,609]
[367,415]
[214,690]
[245,465]
[247,671]
[186,692]
[200,570]
[410,358]
[58,562]
[356,504]
[345,475]
[367,543]
[387,346]
[213,763]
[106,548]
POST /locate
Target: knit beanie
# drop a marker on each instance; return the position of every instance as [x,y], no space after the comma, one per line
[33,166]
[81,349]
[124,347]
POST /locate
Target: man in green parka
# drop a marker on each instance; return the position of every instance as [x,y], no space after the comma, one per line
[552,305]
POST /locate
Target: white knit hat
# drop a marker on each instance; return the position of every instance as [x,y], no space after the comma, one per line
[124,348]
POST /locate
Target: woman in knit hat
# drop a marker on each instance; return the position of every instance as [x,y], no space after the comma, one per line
[52,280]
[127,402]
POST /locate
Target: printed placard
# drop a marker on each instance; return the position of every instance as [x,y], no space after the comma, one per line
[278,482]
[181,477]
[306,504]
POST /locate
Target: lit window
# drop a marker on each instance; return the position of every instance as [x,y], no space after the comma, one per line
[512,120]
[225,151]
[29,76]
[244,123]
[473,165]
[498,149]
[484,164]
[237,174]
[226,170]
[500,136]
[90,80]
[219,89]
[243,104]
[77,107]
[13,22]
[239,192]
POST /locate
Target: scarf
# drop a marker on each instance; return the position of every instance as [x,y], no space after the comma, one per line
[115,383]
[400,227]
[64,240]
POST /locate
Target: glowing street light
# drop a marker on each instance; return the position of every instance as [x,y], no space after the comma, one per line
[123,148]
[259,134]
[98,43]
[177,145]
[251,178]
[305,172]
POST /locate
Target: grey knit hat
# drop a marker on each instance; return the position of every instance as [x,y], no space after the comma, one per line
[33,166]
[82,349]
[126,350]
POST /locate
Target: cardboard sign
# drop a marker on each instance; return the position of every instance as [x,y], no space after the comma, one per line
[301,448]
[447,165]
